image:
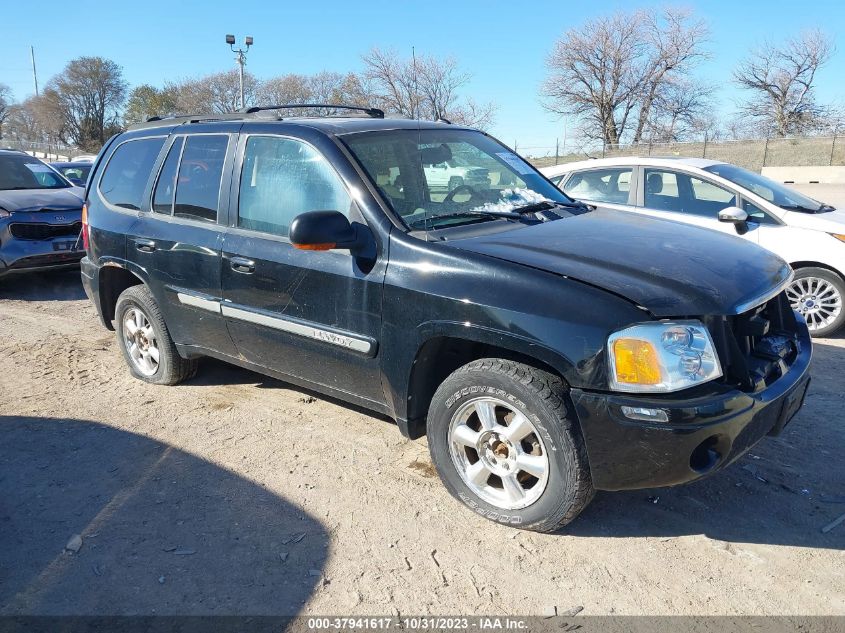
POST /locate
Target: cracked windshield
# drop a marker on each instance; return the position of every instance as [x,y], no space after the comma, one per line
[441,178]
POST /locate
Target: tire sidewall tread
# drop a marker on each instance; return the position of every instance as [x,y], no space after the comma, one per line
[542,397]
[172,368]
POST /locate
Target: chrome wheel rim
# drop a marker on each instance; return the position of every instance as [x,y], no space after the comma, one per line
[140,340]
[498,453]
[817,299]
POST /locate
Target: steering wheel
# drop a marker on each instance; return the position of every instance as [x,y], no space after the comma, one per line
[450,196]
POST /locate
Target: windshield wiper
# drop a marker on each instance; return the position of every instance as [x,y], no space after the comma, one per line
[802,209]
[511,215]
[548,205]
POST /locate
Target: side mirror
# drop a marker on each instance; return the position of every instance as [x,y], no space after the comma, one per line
[734,215]
[324,231]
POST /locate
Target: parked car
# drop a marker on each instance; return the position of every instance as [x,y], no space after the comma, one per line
[77,172]
[545,350]
[40,216]
[451,174]
[808,234]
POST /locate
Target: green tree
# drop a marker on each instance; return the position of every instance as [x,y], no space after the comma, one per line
[146,101]
[85,101]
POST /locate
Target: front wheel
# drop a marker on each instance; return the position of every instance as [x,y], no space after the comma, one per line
[505,445]
[817,293]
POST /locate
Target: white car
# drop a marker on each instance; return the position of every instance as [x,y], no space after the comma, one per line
[451,174]
[808,234]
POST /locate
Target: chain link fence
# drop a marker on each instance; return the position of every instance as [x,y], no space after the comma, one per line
[753,154]
[42,150]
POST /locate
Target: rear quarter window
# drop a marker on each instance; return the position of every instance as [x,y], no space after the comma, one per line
[128,170]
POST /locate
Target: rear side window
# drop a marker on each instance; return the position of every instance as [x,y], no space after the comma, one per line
[128,170]
[166,185]
[200,171]
[600,185]
[282,178]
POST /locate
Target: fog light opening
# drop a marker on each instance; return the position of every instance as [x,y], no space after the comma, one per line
[706,455]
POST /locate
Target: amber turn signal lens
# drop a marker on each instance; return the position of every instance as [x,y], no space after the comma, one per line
[839,236]
[314,247]
[636,362]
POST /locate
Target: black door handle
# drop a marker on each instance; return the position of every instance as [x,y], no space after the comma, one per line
[242,265]
[147,246]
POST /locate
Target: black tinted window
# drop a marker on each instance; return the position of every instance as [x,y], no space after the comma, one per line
[129,168]
[166,185]
[200,170]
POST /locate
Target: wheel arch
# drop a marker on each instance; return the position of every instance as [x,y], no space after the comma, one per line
[114,278]
[444,350]
[812,264]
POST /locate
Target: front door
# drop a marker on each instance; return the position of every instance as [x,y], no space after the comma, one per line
[677,195]
[312,315]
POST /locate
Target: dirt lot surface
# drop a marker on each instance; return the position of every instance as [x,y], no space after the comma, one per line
[239,494]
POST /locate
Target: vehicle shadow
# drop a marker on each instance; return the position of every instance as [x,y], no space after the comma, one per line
[163,531]
[783,492]
[59,285]
[213,372]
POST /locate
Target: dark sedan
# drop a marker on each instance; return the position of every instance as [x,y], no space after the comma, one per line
[75,171]
[40,216]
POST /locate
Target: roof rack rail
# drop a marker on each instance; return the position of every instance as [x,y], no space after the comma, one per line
[375,113]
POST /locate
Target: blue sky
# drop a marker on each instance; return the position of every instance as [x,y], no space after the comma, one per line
[502,44]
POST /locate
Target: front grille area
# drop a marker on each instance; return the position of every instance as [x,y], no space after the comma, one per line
[756,347]
[33,231]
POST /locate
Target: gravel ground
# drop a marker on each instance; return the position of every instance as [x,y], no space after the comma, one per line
[238,494]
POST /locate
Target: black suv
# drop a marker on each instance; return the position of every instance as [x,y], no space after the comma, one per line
[546,349]
[40,216]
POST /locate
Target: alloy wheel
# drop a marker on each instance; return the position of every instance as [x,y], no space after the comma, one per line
[817,299]
[498,453]
[140,340]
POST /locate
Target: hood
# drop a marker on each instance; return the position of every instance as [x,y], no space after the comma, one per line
[829,222]
[671,269]
[27,200]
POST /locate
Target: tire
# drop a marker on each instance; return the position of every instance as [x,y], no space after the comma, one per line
[509,394]
[455,182]
[818,294]
[150,334]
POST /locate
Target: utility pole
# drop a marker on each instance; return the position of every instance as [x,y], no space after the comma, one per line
[240,58]
[34,75]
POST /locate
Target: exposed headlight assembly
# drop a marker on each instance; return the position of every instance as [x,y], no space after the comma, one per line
[661,357]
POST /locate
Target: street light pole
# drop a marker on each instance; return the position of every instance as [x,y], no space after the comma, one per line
[240,58]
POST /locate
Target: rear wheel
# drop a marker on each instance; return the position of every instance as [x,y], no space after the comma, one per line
[505,445]
[817,293]
[145,342]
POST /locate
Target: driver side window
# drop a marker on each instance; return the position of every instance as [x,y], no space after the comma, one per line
[282,178]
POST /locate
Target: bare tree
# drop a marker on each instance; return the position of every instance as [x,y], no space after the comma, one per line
[213,94]
[146,101]
[781,82]
[5,104]
[423,87]
[681,110]
[85,101]
[674,43]
[610,72]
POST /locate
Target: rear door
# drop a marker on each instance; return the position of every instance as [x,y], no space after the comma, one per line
[609,187]
[313,315]
[178,236]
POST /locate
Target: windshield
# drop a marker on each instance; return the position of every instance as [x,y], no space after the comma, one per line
[440,178]
[766,188]
[18,171]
